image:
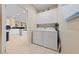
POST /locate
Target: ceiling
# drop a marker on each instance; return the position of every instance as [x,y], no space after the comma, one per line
[18,13]
[42,7]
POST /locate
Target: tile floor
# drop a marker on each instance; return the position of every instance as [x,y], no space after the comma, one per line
[18,45]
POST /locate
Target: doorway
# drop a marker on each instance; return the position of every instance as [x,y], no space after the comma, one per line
[16,19]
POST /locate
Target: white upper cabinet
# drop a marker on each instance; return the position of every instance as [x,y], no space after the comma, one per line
[49,16]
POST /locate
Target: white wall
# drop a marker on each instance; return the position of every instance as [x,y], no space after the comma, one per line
[74,24]
[0,26]
[49,16]
[3,42]
[69,32]
[2,29]
[31,22]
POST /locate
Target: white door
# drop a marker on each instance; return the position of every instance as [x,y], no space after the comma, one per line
[37,37]
[50,39]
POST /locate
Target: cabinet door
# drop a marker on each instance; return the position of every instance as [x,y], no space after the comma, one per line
[37,37]
[50,39]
